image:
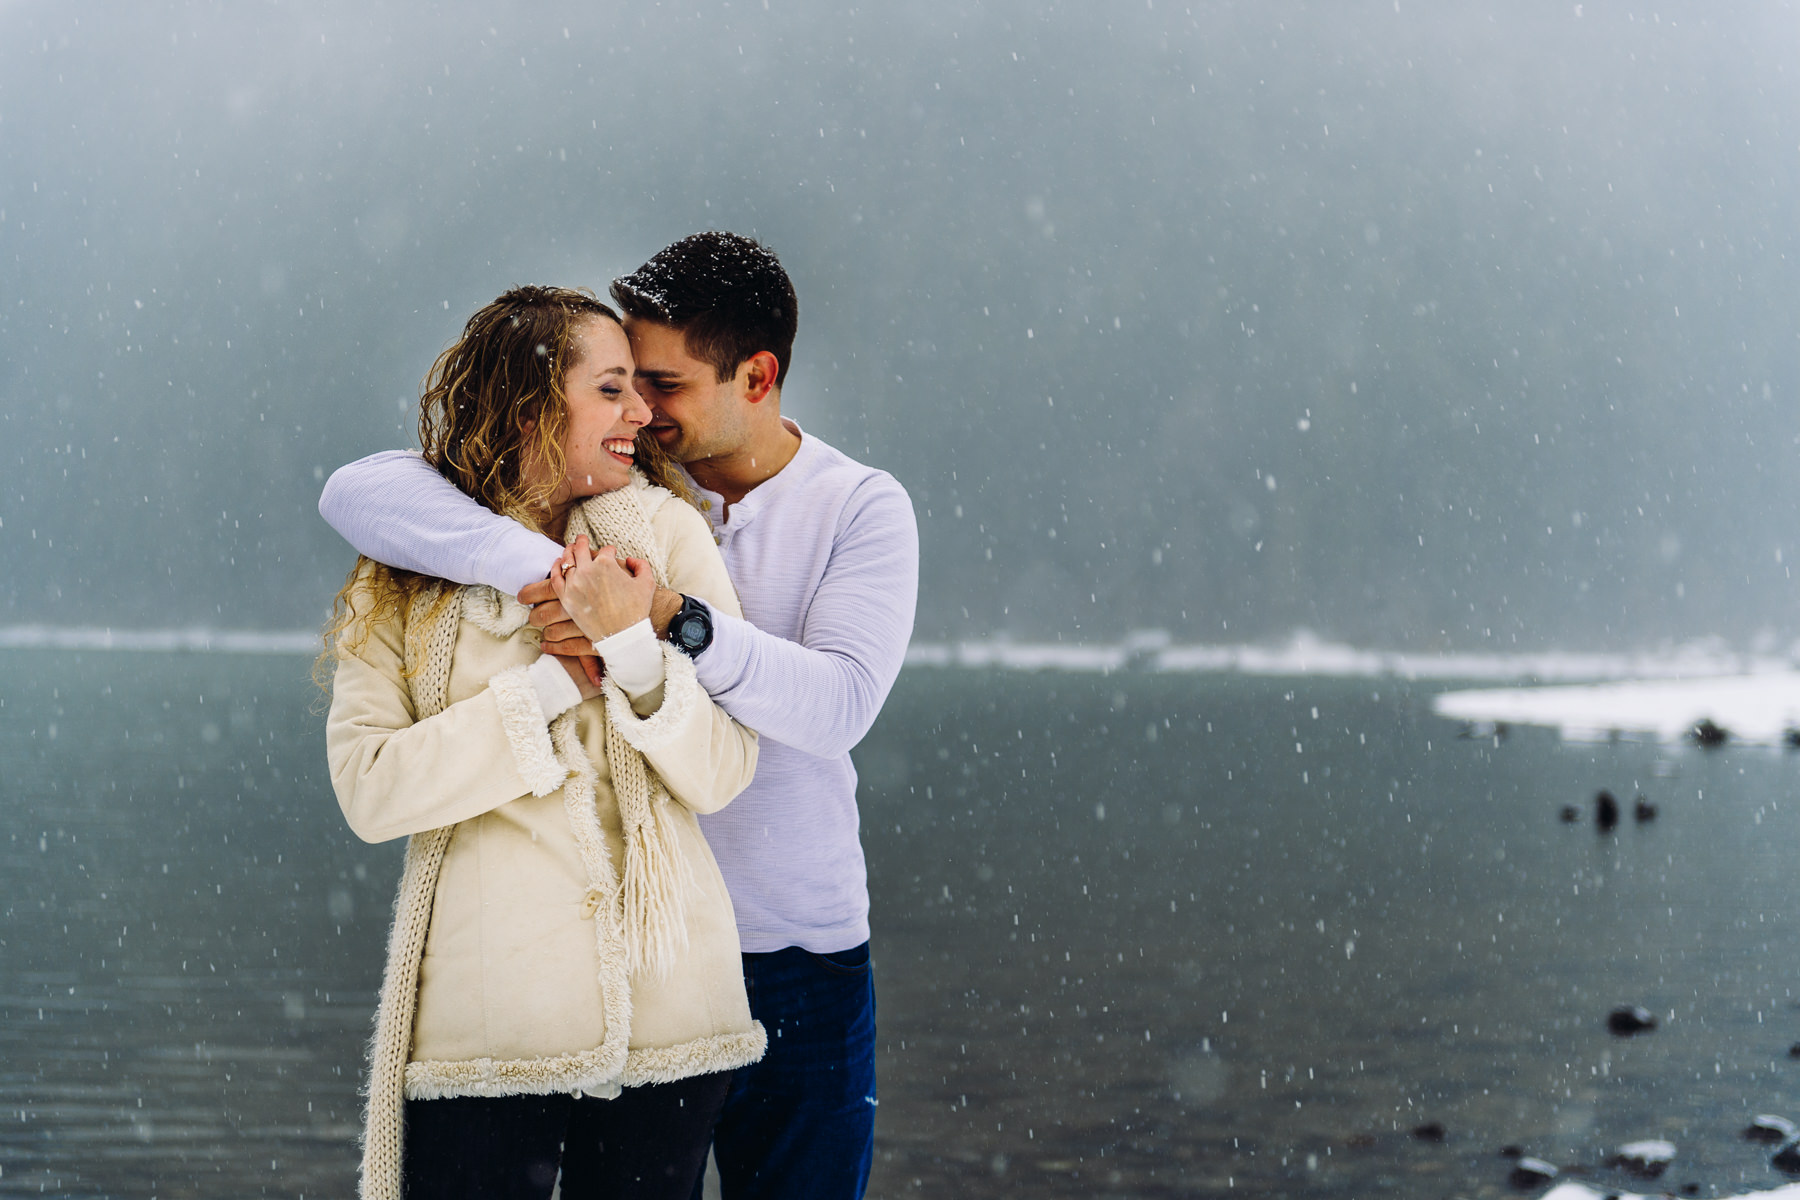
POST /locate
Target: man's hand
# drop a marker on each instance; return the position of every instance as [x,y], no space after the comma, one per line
[560,634]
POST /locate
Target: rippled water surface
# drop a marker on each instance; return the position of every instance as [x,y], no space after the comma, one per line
[1136,935]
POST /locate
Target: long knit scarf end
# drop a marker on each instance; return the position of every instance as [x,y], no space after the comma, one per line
[657,881]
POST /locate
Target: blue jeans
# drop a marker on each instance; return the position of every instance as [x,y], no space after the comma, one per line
[800,1124]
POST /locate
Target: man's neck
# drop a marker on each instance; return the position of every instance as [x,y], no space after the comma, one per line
[736,474]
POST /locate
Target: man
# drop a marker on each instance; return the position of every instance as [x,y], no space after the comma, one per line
[824,553]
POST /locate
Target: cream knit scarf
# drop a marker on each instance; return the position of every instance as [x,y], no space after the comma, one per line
[641,926]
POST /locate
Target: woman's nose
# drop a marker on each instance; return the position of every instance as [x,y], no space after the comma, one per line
[636,411]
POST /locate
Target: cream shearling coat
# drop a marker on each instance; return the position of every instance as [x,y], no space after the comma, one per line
[526,980]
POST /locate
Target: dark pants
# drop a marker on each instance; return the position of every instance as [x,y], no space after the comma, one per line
[648,1144]
[800,1124]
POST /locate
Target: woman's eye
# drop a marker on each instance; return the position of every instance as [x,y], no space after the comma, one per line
[612,391]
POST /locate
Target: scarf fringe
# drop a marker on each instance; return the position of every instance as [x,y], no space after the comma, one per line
[653,901]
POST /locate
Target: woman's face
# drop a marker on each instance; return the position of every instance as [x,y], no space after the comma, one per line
[605,411]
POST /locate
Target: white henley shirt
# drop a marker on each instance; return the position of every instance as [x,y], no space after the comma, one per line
[825,558]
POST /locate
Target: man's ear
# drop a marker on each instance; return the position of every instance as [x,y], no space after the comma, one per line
[759,373]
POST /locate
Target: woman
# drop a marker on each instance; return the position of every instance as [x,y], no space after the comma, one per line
[563,988]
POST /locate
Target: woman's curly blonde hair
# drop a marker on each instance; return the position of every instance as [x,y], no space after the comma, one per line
[492,403]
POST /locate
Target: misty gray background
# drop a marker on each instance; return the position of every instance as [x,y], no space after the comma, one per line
[1453,325]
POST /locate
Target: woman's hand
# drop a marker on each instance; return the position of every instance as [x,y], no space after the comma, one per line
[579,671]
[601,592]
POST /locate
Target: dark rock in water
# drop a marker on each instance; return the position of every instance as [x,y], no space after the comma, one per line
[1531,1172]
[1569,814]
[1787,1159]
[1646,1160]
[1709,734]
[1628,1019]
[1643,810]
[1794,1050]
[1512,1150]
[1431,1131]
[1690,1189]
[1606,810]
[1791,738]
[1767,1127]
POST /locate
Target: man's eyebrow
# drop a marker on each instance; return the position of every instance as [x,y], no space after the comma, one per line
[657,373]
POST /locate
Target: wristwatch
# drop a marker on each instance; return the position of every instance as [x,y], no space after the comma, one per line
[691,628]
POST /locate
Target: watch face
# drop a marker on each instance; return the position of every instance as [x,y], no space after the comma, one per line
[691,630]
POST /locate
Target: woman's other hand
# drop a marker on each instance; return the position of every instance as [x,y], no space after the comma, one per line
[601,592]
[585,672]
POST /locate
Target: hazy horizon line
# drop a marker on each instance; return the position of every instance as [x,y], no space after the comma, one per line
[1153,650]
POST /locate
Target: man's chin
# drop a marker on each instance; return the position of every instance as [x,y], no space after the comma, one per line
[671,440]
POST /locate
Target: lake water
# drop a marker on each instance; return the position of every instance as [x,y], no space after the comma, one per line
[1136,934]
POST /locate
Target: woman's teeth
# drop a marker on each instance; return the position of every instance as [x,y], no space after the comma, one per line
[624,446]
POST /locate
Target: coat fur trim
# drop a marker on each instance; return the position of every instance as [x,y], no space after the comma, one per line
[591,1073]
[523,719]
[703,1056]
[493,612]
[681,691]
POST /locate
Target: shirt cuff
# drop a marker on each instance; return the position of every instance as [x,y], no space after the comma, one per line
[556,692]
[634,659]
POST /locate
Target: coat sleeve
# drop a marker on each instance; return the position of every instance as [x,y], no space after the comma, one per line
[396,775]
[703,756]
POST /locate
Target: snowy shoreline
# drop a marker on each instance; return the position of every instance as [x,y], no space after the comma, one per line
[194,641]
[1302,654]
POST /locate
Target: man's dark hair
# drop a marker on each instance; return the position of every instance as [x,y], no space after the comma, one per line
[726,293]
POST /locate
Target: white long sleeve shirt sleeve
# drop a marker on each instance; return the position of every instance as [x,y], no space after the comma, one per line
[395,508]
[825,559]
[820,689]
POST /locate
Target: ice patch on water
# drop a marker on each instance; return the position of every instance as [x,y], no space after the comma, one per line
[1760,709]
[1661,694]
[1581,1191]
